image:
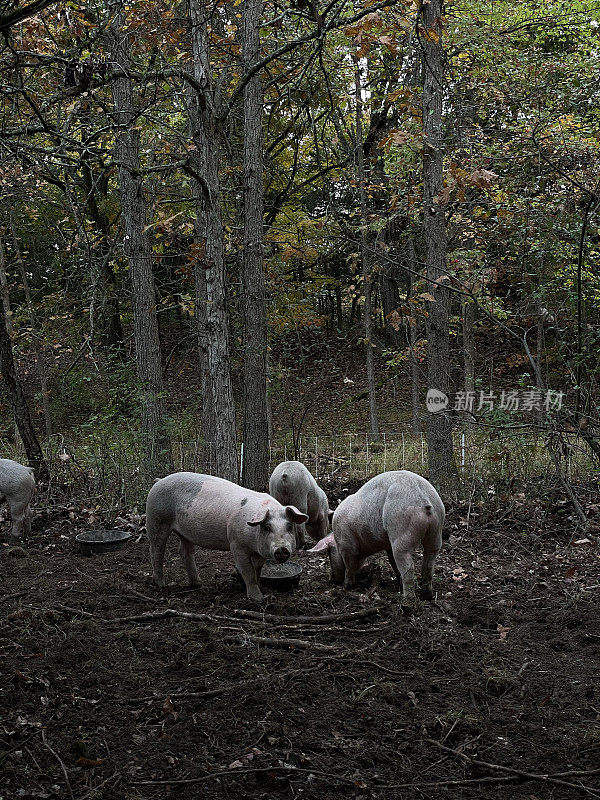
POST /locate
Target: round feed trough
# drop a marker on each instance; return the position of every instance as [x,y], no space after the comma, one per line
[93,543]
[281,577]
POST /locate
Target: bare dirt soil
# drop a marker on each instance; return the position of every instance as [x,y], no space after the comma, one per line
[326,694]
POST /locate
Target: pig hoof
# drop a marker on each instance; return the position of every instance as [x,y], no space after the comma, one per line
[14,541]
[407,604]
[268,600]
[427,594]
[255,600]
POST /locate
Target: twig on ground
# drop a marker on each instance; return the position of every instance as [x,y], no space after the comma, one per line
[76,612]
[208,693]
[355,660]
[60,761]
[532,776]
[285,644]
[318,620]
[290,771]
[12,596]
[95,789]
[165,613]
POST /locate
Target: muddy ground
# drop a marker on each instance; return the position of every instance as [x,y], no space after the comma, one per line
[479,695]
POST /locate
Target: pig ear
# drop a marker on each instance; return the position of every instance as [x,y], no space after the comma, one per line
[259,517]
[295,515]
[324,544]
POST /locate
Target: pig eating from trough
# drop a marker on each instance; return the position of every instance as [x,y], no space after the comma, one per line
[219,515]
[394,512]
[17,486]
[292,483]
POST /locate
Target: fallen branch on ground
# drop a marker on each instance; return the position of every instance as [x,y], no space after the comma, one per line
[286,644]
[60,761]
[165,613]
[354,660]
[531,776]
[321,620]
[290,771]
[208,693]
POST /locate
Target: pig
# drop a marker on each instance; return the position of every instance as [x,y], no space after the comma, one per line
[219,515]
[17,486]
[291,482]
[395,511]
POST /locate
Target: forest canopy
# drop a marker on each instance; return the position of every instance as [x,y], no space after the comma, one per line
[418,180]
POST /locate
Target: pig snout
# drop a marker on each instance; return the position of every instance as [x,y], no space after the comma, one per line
[281,554]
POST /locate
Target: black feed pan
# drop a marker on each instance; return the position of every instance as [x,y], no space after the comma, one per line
[92,543]
[281,577]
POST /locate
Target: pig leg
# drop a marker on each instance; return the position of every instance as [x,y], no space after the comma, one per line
[247,570]
[158,536]
[21,519]
[258,563]
[27,521]
[300,536]
[406,567]
[352,562]
[431,547]
[301,530]
[186,548]
[393,565]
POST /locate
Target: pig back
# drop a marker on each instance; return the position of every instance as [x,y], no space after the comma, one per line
[199,507]
[409,490]
[16,481]
[290,484]
[373,508]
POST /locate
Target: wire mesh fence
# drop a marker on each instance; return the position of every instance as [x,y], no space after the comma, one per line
[111,473]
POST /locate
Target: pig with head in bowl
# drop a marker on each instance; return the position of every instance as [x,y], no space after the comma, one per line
[291,482]
[394,512]
[216,514]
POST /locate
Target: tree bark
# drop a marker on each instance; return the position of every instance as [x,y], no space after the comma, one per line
[35,457]
[40,361]
[255,471]
[4,290]
[539,359]
[468,321]
[412,341]
[217,402]
[137,249]
[104,277]
[388,290]
[442,468]
[365,256]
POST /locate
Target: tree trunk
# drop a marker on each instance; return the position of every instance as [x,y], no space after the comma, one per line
[338,305]
[4,291]
[468,321]
[539,358]
[35,457]
[103,276]
[255,472]
[213,337]
[138,251]
[442,469]
[388,290]
[365,256]
[412,340]
[40,361]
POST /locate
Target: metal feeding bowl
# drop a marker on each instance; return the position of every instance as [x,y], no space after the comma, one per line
[93,543]
[281,577]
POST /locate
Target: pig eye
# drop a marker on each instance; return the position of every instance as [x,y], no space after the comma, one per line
[288,526]
[267,528]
